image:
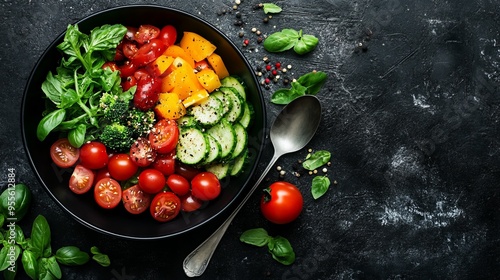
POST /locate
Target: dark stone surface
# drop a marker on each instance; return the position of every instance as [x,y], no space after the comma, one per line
[411,118]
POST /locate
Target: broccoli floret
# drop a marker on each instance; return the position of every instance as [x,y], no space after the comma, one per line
[140,122]
[113,108]
[117,137]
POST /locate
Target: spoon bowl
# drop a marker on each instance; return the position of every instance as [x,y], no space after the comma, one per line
[292,129]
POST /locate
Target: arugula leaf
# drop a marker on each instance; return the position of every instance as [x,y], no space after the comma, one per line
[320,185]
[316,159]
[289,38]
[271,8]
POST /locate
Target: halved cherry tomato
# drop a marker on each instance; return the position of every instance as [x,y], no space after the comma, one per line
[141,74]
[129,82]
[127,69]
[165,163]
[151,181]
[131,31]
[281,202]
[145,33]
[189,203]
[148,52]
[135,200]
[111,65]
[165,206]
[168,34]
[147,93]
[164,136]
[107,193]
[141,152]
[129,49]
[119,53]
[121,167]
[63,154]
[205,186]
[178,184]
[81,180]
[93,155]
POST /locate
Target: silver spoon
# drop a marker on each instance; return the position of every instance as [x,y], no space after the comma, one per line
[293,128]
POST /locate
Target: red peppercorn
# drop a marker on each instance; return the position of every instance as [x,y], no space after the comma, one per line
[267,80]
[274,72]
[246,42]
[277,65]
[268,67]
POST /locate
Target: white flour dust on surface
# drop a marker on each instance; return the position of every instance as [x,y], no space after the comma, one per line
[403,210]
[406,162]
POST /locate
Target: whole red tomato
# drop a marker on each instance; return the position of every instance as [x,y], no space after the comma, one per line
[281,202]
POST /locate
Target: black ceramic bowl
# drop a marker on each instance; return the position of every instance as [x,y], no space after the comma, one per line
[118,222]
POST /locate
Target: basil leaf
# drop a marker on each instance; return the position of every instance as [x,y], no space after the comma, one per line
[44,272]
[76,136]
[53,267]
[271,8]
[281,250]
[281,41]
[53,88]
[10,273]
[313,81]
[105,37]
[99,257]
[283,96]
[305,44]
[73,41]
[257,237]
[19,235]
[71,255]
[40,236]
[68,98]
[320,185]
[2,221]
[49,122]
[6,259]
[316,160]
[30,264]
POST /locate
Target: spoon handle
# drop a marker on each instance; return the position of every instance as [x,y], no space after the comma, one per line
[197,261]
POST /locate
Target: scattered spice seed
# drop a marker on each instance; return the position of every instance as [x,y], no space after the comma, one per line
[325,170]
[278,168]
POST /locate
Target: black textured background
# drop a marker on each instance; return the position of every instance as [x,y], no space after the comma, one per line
[411,118]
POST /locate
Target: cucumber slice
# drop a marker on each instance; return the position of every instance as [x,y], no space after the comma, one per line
[226,101]
[187,121]
[236,83]
[214,149]
[192,146]
[209,112]
[239,163]
[247,117]
[221,170]
[241,139]
[237,104]
[224,133]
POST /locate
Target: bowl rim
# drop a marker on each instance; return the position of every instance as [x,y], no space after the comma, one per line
[261,138]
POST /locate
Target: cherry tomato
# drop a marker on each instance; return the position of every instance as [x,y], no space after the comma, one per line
[189,203]
[147,93]
[119,53]
[145,33]
[281,203]
[141,74]
[135,200]
[186,171]
[130,35]
[102,173]
[127,69]
[121,167]
[164,136]
[129,82]
[168,34]
[148,52]
[141,152]
[178,184]
[93,155]
[203,64]
[165,206]
[129,49]
[63,154]
[107,193]
[165,163]
[151,181]
[205,186]
[81,180]
[111,65]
